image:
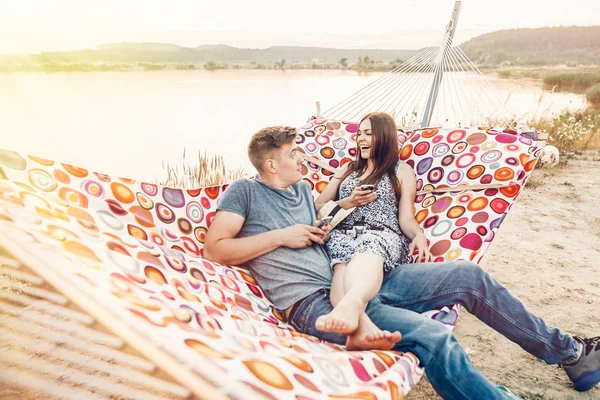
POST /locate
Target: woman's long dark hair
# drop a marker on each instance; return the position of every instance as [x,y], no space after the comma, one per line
[384,152]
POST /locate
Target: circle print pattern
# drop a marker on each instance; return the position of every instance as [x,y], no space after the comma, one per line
[406,151]
[456,135]
[92,188]
[42,180]
[459,147]
[440,149]
[458,233]
[311,148]
[144,201]
[491,156]
[73,197]
[504,174]
[322,140]
[149,188]
[448,160]
[164,213]
[424,165]
[327,152]
[475,171]
[428,133]
[62,176]
[465,160]
[441,228]
[194,212]
[200,233]
[339,144]
[435,175]
[173,197]
[454,177]
[453,254]
[421,148]
[122,193]
[428,201]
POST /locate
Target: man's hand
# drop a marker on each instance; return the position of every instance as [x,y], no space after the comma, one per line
[301,236]
[361,197]
[419,243]
[326,228]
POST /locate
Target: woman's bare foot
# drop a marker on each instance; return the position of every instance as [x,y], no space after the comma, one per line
[370,337]
[344,317]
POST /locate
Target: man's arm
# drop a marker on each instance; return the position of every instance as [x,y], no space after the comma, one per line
[223,247]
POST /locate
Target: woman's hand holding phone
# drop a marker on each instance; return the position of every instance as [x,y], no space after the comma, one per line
[360,196]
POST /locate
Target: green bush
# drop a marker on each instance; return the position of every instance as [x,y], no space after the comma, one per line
[593,95]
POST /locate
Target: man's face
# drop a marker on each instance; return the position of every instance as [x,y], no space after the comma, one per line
[288,164]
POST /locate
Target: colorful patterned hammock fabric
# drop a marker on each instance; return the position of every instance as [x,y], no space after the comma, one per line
[129,253]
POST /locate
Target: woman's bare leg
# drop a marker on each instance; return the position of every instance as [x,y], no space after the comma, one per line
[362,278]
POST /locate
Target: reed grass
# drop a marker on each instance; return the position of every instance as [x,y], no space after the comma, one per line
[209,171]
[573,81]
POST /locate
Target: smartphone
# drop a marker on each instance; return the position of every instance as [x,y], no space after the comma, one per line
[324,220]
[367,187]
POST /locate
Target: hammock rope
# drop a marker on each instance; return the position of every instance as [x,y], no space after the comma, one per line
[461,98]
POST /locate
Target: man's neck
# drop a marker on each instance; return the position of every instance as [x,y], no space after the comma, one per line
[274,182]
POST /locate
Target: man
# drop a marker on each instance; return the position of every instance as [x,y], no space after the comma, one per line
[268,224]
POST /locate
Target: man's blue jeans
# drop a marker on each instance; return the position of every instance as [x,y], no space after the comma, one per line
[412,289]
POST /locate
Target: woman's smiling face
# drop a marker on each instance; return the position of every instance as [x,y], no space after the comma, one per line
[364,139]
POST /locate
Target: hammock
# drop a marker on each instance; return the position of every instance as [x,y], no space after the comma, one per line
[129,254]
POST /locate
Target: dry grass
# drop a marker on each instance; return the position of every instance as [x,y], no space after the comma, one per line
[209,171]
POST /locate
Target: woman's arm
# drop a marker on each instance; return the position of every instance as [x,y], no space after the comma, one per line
[406,213]
[330,192]
[408,191]
[357,198]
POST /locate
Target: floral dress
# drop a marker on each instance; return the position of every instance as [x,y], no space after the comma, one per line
[382,234]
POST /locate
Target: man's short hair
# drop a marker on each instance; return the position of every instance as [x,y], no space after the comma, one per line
[265,141]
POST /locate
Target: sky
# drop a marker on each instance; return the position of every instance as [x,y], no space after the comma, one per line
[31,26]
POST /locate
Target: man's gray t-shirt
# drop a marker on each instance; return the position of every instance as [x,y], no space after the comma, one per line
[286,275]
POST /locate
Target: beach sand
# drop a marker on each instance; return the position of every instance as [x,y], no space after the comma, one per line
[547,253]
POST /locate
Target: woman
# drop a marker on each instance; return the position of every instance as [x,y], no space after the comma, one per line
[388,232]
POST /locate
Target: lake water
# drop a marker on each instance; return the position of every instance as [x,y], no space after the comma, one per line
[127,123]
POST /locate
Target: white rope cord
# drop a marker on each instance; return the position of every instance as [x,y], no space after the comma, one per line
[418,105]
[358,96]
[422,73]
[399,104]
[491,87]
[397,73]
[409,82]
[477,101]
[442,67]
[367,89]
[366,99]
[410,77]
[412,107]
[403,92]
[458,86]
[384,98]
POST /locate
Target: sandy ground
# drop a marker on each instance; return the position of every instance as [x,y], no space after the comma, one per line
[548,255]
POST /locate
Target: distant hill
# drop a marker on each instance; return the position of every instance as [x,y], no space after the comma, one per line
[140,46]
[156,52]
[540,46]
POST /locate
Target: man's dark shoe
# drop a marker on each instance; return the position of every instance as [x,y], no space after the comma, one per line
[585,372]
